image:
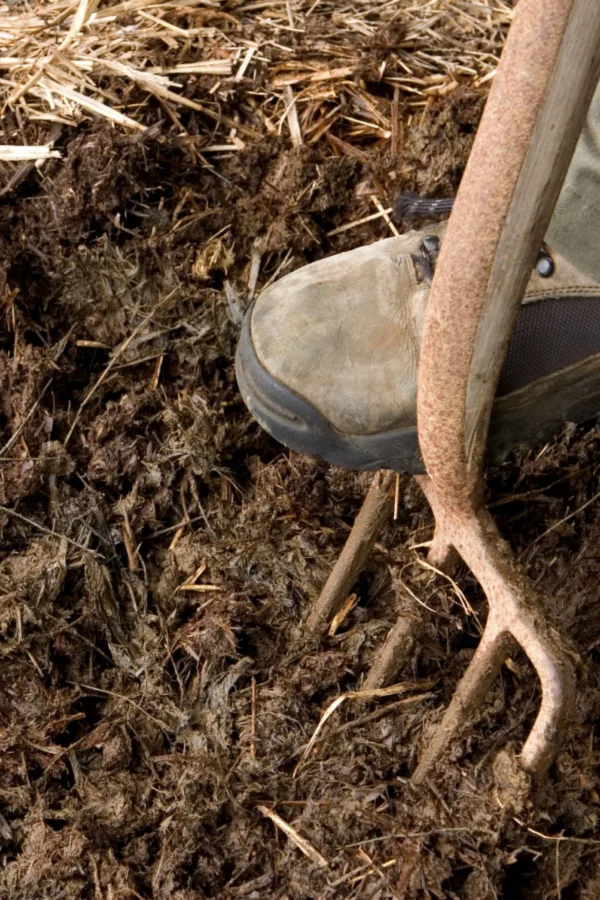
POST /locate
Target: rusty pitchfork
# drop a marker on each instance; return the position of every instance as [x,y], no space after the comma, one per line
[532,120]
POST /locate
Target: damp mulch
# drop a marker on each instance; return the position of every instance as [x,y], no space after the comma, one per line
[159,553]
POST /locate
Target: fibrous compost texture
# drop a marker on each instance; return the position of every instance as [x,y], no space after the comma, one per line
[159,552]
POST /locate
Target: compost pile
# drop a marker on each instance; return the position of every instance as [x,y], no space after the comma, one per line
[159,552]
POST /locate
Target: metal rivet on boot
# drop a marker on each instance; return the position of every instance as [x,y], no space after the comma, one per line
[544,265]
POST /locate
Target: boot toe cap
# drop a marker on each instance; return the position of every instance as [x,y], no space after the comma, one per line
[343,334]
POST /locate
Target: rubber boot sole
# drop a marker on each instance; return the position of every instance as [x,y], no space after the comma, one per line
[528,416]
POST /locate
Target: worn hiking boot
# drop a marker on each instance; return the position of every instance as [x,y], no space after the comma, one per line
[328,356]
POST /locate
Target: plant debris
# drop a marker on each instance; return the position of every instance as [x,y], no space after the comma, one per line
[160,551]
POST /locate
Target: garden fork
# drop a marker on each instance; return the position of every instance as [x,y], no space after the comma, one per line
[532,120]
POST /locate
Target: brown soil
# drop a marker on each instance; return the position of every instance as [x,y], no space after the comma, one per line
[134,758]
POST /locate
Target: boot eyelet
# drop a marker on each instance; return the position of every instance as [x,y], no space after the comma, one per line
[431,243]
[544,265]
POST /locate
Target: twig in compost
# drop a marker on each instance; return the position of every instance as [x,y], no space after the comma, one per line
[368,694]
[339,617]
[97,690]
[382,212]
[121,349]
[357,222]
[301,843]
[14,438]
[15,515]
[291,114]
[253,718]
[556,525]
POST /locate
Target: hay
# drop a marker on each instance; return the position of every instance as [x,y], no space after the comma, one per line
[65,62]
[157,688]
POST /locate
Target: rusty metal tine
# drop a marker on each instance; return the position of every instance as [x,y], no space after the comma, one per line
[514,611]
[374,512]
[546,77]
[468,696]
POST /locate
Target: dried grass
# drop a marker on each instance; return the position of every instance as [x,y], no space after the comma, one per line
[64,62]
[157,688]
